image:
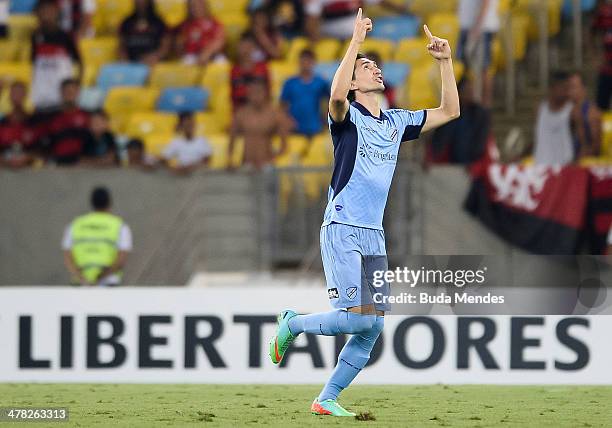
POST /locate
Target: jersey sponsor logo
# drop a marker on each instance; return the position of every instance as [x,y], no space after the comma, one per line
[351,292]
[332,293]
[365,150]
[338,207]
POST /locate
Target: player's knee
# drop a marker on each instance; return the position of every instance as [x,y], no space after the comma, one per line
[360,323]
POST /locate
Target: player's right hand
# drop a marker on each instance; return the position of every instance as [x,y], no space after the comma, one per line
[362,26]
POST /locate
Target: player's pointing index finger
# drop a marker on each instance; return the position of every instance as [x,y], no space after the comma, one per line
[359,12]
[427,32]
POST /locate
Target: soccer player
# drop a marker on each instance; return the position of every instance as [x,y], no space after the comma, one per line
[366,144]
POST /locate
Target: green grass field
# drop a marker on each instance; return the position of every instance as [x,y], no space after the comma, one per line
[403,406]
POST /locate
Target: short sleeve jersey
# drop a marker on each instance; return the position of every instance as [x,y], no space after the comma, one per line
[366,149]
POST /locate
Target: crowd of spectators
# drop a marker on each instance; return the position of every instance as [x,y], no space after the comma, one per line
[54,129]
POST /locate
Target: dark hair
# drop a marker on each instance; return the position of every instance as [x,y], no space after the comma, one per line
[351,94]
[68,82]
[248,35]
[557,77]
[307,52]
[135,144]
[183,116]
[99,112]
[150,13]
[100,198]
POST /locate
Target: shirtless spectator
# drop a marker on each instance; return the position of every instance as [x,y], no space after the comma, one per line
[246,70]
[201,37]
[258,121]
[586,119]
[17,135]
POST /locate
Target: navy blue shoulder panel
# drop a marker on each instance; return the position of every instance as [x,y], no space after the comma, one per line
[412,132]
[345,153]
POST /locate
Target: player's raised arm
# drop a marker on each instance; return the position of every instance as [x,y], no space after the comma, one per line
[341,85]
[449,106]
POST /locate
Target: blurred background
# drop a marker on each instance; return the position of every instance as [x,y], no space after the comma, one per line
[204,124]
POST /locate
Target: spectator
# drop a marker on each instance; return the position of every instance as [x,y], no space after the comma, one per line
[100,147]
[201,37]
[609,250]
[303,95]
[68,129]
[143,35]
[479,22]
[390,93]
[603,25]
[268,38]
[96,245]
[258,121]
[76,17]
[246,71]
[136,154]
[17,135]
[287,15]
[553,134]
[463,140]
[586,119]
[4,15]
[188,151]
[54,56]
[336,18]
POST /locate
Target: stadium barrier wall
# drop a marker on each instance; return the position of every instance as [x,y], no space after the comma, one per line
[220,335]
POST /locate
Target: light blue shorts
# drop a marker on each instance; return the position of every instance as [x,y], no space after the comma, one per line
[350,256]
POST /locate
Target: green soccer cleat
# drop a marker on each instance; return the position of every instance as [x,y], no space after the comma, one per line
[329,407]
[283,338]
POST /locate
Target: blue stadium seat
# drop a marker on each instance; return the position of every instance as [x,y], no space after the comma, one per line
[395,73]
[21,6]
[327,70]
[91,98]
[395,28]
[122,74]
[186,99]
[585,6]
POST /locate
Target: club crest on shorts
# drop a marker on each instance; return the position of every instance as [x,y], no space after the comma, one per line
[351,292]
[332,293]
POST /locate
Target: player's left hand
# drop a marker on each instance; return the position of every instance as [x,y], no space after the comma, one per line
[437,47]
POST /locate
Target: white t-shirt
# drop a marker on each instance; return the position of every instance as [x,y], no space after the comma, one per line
[553,135]
[123,244]
[187,152]
[469,11]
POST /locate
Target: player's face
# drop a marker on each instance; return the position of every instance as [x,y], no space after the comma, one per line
[368,77]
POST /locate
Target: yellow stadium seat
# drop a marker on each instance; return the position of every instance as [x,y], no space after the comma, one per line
[209,124]
[530,9]
[110,14]
[154,144]
[421,89]
[8,50]
[5,101]
[321,149]
[224,7]
[122,101]
[425,8]
[220,144]
[89,75]
[216,79]
[445,26]
[296,46]
[167,74]
[280,71]
[12,71]
[413,52]
[384,48]
[99,50]
[216,74]
[297,144]
[143,124]
[519,43]
[606,140]
[234,26]
[21,26]
[319,155]
[173,12]
[328,50]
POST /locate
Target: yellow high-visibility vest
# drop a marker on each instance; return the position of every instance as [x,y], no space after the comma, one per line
[95,237]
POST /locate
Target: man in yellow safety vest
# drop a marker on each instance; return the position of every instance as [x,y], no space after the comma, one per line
[96,244]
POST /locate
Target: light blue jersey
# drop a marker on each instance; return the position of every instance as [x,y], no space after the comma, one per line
[365,152]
